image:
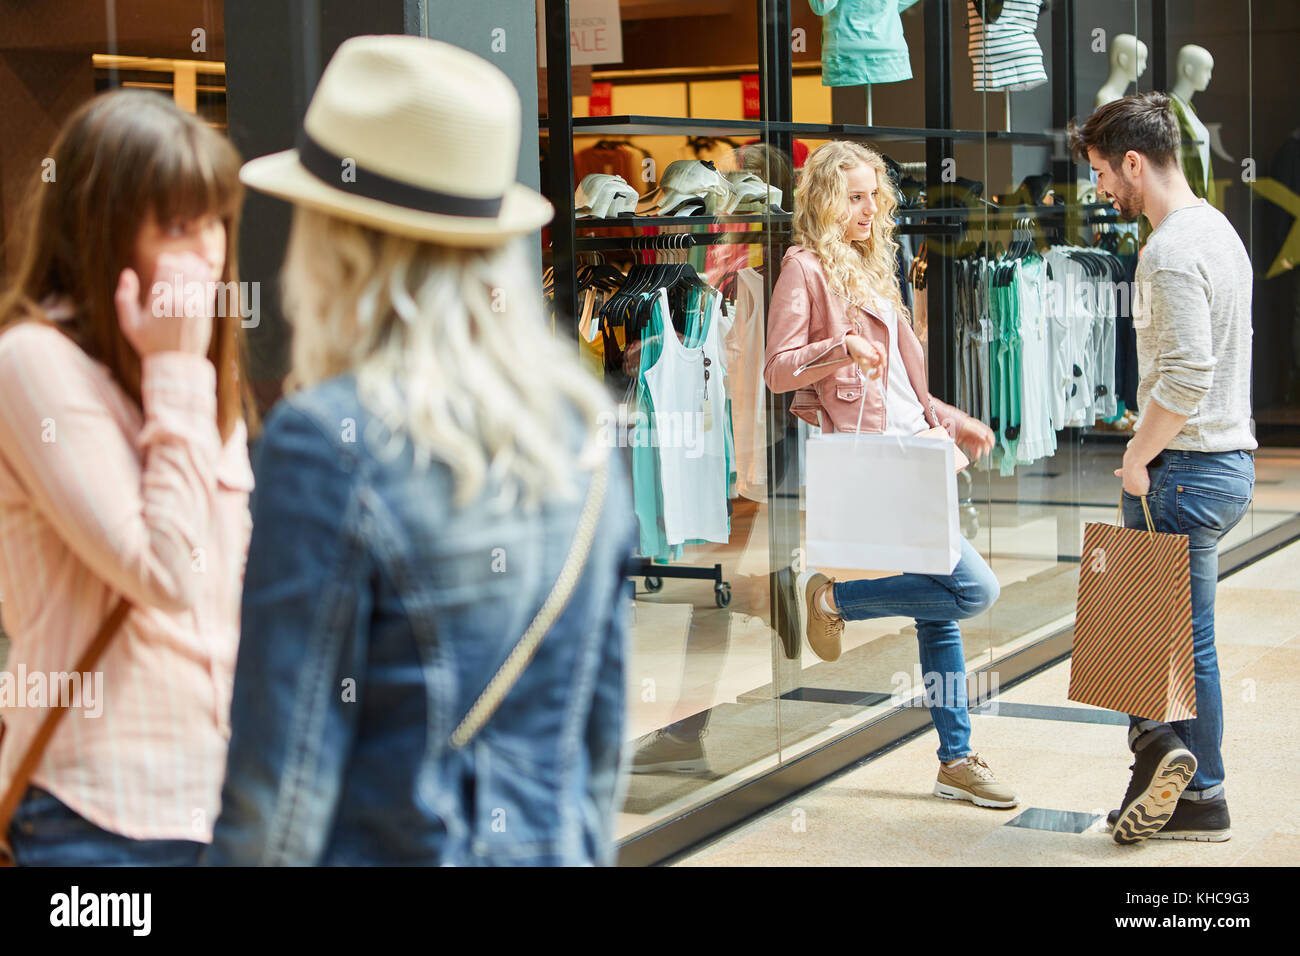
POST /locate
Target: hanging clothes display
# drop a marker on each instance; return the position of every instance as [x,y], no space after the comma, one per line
[862,41]
[920,297]
[974,332]
[1037,341]
[1037,437]
[662,333]
[744,362]
[1003,49]
[1092,287]
[689,420]
[1122,239]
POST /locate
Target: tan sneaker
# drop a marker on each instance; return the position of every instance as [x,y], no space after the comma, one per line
[823,630]
[973,781]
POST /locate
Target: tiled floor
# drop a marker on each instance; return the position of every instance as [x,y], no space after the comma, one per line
[690,657]
[882,814]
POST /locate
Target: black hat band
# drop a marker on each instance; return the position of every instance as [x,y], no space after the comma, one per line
[359,181]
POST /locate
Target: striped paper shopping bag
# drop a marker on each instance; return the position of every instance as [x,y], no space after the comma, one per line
[1133,629]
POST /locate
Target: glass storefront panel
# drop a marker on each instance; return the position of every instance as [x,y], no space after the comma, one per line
[683,110]
[969,117]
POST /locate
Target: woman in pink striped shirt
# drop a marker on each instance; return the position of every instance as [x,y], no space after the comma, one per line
[124,473]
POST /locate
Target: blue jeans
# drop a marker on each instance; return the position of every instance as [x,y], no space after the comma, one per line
[1202,495]
[936,602]
[46,832]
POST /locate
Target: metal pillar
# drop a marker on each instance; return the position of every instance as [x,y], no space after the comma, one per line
[941,368]
[784,454]
[559,123]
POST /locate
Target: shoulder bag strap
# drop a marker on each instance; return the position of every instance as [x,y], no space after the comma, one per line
[523,652]
[36,749]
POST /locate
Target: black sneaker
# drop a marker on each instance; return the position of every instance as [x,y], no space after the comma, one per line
[1202,821]
[661,752]
[1162,769]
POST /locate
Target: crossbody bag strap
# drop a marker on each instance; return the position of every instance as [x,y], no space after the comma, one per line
[36,749]
[523,652]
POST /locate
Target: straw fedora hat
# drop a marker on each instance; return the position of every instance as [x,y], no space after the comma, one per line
[410,136]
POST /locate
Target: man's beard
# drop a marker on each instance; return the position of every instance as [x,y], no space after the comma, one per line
[1130,203]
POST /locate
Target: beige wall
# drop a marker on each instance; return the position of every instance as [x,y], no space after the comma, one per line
[46,73]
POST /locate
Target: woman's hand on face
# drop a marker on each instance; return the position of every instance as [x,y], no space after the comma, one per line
[868,357]
[170,319]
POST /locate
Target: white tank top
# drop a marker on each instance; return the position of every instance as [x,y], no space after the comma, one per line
[903,412]
[689,418]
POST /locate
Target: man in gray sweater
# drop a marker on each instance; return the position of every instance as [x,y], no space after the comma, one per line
[1191,458]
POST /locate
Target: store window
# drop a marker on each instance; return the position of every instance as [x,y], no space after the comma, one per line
[1016,278]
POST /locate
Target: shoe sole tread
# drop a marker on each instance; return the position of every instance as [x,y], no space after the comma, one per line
[1151,810]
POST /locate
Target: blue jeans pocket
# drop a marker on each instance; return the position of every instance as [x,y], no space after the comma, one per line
[43,812]
[1216,500]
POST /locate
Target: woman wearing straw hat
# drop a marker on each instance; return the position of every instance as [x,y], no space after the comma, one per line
[431,667]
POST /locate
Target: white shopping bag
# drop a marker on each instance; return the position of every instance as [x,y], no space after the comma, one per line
[882,502]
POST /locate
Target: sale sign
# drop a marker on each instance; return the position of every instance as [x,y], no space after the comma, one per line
[595,32]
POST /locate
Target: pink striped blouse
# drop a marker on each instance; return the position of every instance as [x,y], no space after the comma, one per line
[99,501]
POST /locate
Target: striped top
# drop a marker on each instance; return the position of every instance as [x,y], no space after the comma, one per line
[1005,53]
[99,500]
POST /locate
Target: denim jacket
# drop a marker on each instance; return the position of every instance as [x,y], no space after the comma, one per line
[374,613]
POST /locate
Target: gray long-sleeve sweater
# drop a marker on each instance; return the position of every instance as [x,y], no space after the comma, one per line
[1192,318]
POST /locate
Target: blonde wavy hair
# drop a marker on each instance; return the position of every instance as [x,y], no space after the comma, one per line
[862,271]
[450,349]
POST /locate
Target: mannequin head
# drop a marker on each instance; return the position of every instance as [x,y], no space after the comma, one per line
[1195,64]
[1128,56]
[1128,61]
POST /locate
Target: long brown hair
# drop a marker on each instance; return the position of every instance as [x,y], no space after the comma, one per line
[119,158]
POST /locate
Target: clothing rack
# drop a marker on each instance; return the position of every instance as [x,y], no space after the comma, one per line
[760,236]
[653,574]
[680,240]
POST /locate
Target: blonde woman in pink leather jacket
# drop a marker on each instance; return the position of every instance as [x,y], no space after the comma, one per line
[837,329]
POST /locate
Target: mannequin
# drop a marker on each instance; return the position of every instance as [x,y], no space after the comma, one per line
[1003,48]
[1195,64]
[1128,61]
[863,44]
[1194,67]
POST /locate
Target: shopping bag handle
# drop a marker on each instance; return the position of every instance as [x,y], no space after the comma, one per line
[862,405]
[1119,513]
